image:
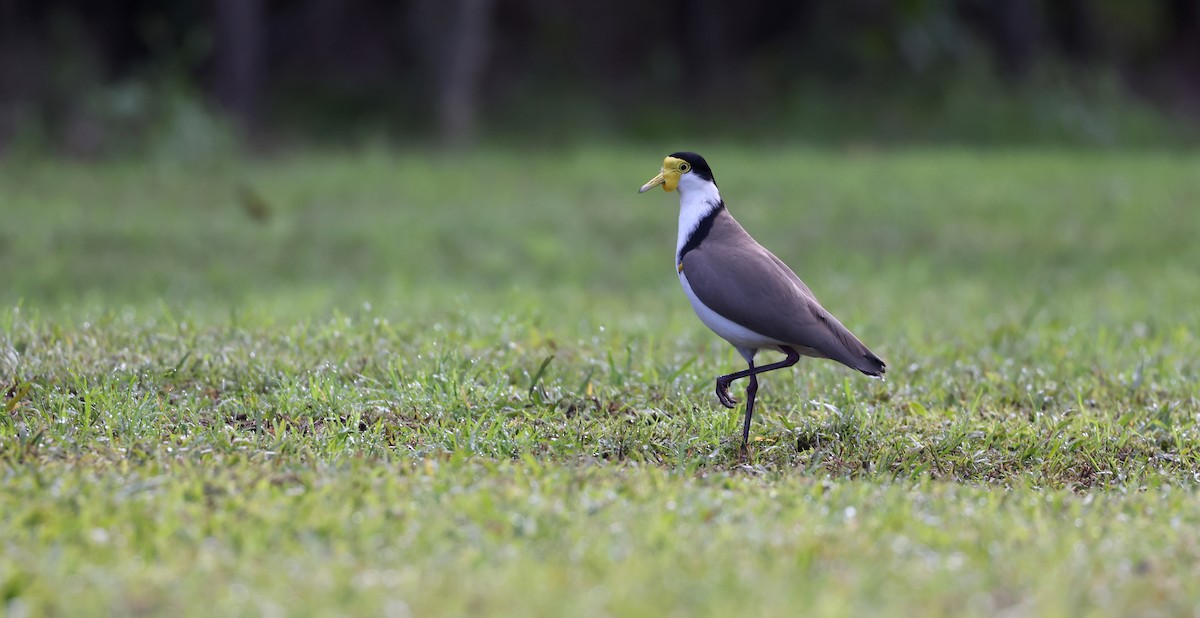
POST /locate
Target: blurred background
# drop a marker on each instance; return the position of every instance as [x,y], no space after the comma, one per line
[88,79]
[314,154]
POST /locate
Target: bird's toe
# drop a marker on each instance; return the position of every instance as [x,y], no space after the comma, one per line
[725,398]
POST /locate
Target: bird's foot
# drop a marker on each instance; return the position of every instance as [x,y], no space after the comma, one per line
[723,394]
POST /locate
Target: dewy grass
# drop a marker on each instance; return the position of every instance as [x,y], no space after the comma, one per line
[415,384]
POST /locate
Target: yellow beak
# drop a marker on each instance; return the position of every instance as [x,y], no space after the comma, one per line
[654,182]
[668,176]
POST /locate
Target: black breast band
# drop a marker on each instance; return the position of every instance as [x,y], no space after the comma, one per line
[700,233]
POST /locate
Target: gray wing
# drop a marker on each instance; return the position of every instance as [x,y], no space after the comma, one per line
[747,284]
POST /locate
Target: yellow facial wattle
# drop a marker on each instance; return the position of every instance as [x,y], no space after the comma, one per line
[668,177]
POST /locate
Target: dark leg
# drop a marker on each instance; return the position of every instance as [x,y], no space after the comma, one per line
[724,381]
[751,389]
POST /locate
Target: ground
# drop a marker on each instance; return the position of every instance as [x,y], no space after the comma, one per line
[415,383]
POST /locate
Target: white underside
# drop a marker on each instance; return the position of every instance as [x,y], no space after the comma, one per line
[741,337]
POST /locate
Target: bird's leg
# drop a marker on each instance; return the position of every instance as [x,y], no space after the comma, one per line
[723,382]
[751,390]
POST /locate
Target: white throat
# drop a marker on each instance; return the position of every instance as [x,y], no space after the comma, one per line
[697,198]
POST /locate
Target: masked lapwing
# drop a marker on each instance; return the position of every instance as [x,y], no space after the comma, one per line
[743,292]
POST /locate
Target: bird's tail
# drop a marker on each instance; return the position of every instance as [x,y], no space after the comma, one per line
[870,364]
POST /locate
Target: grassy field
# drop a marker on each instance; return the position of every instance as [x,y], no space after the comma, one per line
[408,383]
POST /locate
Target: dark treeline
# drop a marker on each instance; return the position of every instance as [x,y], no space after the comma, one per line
[443,67]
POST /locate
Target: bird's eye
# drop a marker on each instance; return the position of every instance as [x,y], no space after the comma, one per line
[684,168]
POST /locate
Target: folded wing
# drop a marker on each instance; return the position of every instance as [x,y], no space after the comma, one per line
[738,278]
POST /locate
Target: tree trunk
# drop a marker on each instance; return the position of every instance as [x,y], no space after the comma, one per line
[461,70]
[1183,27]
[239,58]
[708,57]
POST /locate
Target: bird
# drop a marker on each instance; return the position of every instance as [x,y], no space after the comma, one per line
[745,294]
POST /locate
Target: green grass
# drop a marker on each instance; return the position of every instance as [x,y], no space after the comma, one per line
[412,383]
